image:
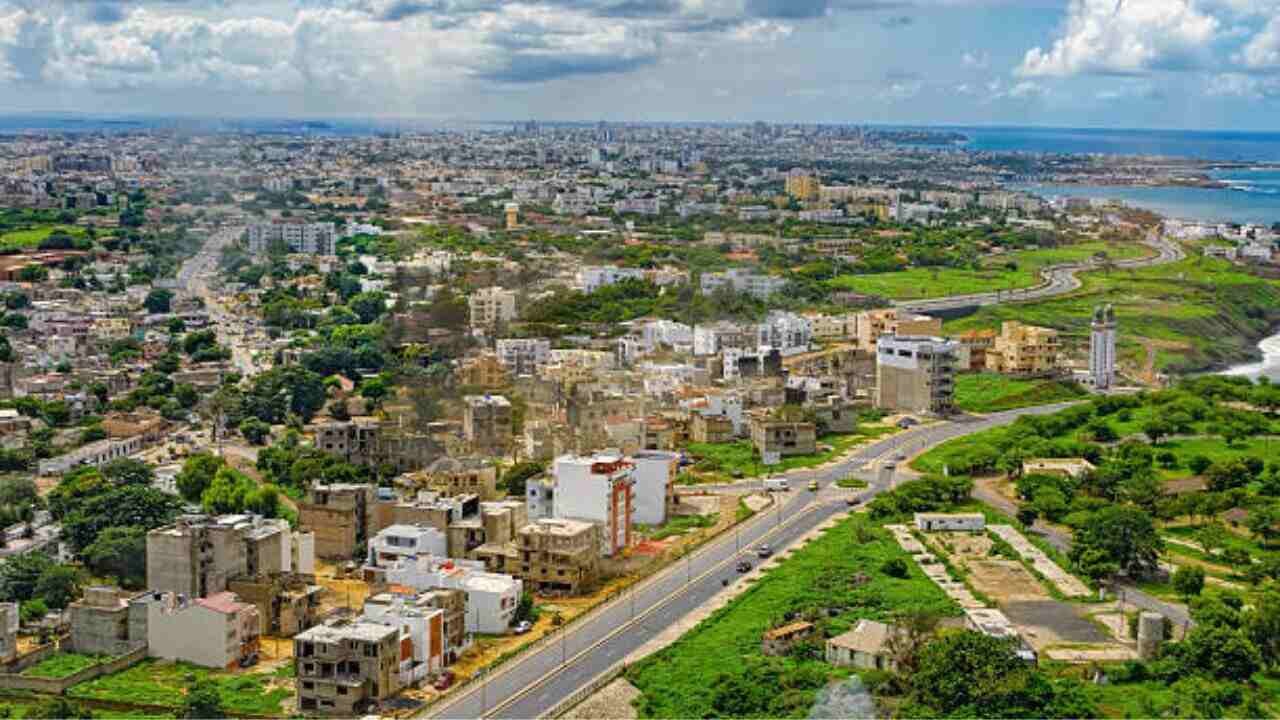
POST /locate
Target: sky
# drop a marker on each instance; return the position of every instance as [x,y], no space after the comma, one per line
[1194,64]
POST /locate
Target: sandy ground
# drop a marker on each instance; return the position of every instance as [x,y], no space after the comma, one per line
[611,702]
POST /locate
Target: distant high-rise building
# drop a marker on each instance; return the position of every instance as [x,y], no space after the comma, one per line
[1102,348]
[512,211]
[298,237]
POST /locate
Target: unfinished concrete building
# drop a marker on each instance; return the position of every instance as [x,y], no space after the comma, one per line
[108,621]
[916,374]
[557,556]
[287,603]
[486,424]
[195,556]
[340,516]
[346,668]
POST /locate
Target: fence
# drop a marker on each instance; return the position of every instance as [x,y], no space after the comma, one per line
[58,686]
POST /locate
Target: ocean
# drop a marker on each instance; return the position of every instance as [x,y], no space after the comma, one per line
[1211,145]
[1254,197]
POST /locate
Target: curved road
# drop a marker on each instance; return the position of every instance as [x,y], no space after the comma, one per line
[1059,280]
[559,665]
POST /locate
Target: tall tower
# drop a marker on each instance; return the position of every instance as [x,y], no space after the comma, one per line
[512,211]
[1102,348]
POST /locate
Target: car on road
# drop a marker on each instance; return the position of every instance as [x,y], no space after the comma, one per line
[907,422]
[813,486]
[852,501]
[764,551]
[776,485]
[744,566]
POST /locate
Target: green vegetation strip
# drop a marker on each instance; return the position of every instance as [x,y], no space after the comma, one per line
[700,674]
[739,459]
[993,392]
[63,665]
[163,684]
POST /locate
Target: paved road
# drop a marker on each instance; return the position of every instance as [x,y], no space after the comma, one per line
[193,280]
[1060,280]
[534,683]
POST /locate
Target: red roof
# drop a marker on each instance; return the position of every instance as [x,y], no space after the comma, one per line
[223,602]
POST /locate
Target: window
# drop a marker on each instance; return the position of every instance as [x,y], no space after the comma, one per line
[342,690]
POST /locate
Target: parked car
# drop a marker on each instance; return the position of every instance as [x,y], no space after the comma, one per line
[522,627]
[444,681]
[907,422]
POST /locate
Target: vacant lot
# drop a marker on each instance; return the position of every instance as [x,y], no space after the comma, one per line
[723,461]
[159,683]
[1011,271]
[993,392]
[33,236]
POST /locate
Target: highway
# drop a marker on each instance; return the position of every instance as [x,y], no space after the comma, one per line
[1058,280]
[193,280]
[557,666]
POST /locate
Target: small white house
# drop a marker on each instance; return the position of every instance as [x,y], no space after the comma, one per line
[866,646]
[950,522]
[406,541]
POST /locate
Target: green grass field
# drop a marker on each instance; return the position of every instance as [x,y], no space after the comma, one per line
[1184,316]
[738,459]
[921,283]
[993,392]
[163,684]
[63,665]
[677,682]
[32,237]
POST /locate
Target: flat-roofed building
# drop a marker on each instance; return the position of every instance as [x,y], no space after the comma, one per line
[916,374]
[346,668]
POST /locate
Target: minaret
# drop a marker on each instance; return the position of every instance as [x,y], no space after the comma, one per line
[1102,348]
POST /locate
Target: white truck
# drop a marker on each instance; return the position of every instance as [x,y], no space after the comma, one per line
[776,485]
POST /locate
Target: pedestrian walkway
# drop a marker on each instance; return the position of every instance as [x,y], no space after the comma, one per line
[933,568]
[1066,583]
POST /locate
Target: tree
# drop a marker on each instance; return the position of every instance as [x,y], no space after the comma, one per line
[254,430]
[196,475]
[369,306]
[228,492]
[374,390]
[1125,535]
[58,586]
[1027,515]
[127,471]
[1157,428]
[1188,581]
[1096,565]
[158,301]
[186,395]
[970,674]
[143,507]
[1220,651]
[119,552]
[1262,625]
[1264,522]
[19,575]
[202,701]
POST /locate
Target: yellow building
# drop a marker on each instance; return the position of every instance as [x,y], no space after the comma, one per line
[801,185]
[513,216]
[1024,350]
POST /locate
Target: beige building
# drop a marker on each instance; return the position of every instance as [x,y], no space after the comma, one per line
[194,557]
[1024,350]
[491,307]
[486,424]
[556,556]
[916,374]
[892,321]
[346,668]
[483,371]
[340,515]
[776,439]
[287,604]
[107,621]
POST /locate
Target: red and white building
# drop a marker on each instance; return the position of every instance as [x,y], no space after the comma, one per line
[600,489]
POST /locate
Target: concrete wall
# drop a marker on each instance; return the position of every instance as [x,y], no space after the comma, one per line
[195,634]
[58,686]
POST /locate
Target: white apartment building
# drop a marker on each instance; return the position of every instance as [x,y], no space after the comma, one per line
[523,356]
[306,238]
[218,631]
[725,405]
[639,206]
[760,286]
[592,278]
[492,598]
[599,489]
[420,623]
[491,306]
[655,474]
[785,332]
[675,335]
[406,541]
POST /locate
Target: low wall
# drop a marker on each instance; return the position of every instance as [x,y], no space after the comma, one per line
[58,686]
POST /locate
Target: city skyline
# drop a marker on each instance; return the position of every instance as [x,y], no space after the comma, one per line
[1187,64]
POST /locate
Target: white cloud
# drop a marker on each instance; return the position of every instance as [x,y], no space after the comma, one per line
[1240,85]
[1263,50]
[1124,37]
[979,59]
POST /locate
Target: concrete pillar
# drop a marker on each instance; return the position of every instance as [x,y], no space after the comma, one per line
[1150,634]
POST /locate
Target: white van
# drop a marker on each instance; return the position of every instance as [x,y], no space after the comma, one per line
[776,485]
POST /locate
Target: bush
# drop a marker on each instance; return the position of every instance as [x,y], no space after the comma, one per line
[895,567]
